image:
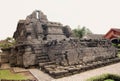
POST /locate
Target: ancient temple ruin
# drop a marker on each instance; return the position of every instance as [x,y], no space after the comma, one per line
[31,36]
[49,45]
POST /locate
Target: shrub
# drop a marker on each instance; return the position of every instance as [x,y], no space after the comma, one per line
[109,80]
[105,77]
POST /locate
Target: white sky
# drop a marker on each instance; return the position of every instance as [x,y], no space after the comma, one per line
[97,15]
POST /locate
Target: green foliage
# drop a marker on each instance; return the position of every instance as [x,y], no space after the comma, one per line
[118,47]
[8,75]
[118,54]
[105,77]
[80,32]
[8,42]
[114,44]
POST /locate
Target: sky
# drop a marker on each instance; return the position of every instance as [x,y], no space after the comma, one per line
[97,15]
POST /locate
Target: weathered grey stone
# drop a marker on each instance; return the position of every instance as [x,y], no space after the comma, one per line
[29,59]
[72,56]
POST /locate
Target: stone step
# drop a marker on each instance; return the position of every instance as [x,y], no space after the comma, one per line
[39,55]
[38,48]
[50,66]
[46,63]
[43,60]
[43,57]
[61,71]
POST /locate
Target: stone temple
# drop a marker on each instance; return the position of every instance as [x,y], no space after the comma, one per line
[50,46]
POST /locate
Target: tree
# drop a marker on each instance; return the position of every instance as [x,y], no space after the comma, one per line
[8,42]
[80,32]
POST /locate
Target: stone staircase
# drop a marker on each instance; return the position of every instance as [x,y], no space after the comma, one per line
[43,60]
[58,71]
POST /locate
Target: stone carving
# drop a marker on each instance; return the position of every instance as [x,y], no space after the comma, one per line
[50,46]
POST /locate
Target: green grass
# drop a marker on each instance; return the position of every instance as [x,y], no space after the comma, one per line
[8,75]
[105,77]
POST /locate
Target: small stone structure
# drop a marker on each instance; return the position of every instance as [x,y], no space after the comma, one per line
[50,46]
[4,55]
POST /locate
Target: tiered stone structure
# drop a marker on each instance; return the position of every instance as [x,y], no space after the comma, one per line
[50,46]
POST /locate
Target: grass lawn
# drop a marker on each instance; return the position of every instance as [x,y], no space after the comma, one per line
[8,75]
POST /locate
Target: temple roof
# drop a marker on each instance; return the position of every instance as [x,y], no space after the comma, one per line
[112,33]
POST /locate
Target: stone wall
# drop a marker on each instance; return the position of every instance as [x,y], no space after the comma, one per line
[71,52]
